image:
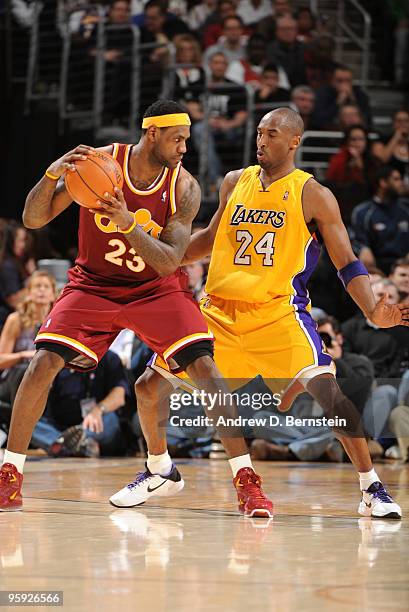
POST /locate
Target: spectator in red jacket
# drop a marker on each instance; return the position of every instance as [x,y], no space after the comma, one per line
[354,162]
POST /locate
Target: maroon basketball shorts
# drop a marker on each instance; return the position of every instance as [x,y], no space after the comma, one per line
[87,323]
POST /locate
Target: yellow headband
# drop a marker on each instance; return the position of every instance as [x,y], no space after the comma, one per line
[166,120]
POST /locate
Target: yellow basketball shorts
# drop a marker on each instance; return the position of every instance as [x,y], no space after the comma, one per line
[276,340]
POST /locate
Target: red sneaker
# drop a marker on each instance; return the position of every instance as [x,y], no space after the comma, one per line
[11,482]
[252,500]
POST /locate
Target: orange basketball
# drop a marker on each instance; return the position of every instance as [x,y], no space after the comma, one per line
[99,173]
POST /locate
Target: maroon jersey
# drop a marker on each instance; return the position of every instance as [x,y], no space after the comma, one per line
[106,263]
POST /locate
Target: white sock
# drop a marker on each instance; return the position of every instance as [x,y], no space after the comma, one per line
[159,464]
[16,459]
[237,463]
[368,478]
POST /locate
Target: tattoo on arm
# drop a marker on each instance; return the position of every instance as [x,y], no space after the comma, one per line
[165,255]
[38,206]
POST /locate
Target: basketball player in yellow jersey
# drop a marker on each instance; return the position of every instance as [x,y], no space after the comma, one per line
[264,250]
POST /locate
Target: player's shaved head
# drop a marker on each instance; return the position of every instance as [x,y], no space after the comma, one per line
[286,118]
[278,137]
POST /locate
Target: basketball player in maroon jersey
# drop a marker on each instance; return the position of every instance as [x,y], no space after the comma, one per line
[127,275]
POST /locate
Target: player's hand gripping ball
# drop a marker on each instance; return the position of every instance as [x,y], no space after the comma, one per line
[97,174]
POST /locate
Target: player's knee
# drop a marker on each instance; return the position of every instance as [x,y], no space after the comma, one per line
[45,365]
[147,388]
[202,368]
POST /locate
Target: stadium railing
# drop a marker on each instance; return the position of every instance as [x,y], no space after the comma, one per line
[44,53]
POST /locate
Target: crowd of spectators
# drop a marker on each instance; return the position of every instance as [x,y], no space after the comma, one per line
[221,49]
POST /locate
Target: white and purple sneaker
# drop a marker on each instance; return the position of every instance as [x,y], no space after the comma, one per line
[147,485]
[377,503]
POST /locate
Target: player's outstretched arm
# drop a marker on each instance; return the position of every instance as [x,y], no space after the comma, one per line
[49,197]
[319,204]
[163,255]
[201,242]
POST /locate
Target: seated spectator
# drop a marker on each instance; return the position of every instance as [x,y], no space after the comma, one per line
[355,377]
[213,26]
[198,14]
[384,347]
[319,61]
[381,225]
[269,90]
[399,275]
[354,371]
[267,26]
[227,116]
[21,327]
[354,162]
[158,18]
[158,27]
[375,274]
[248,69]
[16,264]
[117,54]
[340,91]
[196,274]
[190,78]
[303,98]
[352,171]
[81,416]
[305,24]
[399,427]
[288,52]
[355,374]
[349,115]
[231,43]
[82,21]
[394,150]
[252,11]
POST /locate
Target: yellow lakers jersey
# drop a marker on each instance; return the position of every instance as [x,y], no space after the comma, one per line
[263,248]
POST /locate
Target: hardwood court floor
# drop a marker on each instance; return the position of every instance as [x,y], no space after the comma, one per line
[194,552]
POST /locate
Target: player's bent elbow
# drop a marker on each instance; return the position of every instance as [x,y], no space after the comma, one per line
[31,223]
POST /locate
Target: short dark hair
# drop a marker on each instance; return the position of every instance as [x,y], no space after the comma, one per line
[402,109]
[236,17]
[402,262]
[163,107]
[351,128]
[270,68]
[341,67]
[329,319]
[383,173]
[158,3]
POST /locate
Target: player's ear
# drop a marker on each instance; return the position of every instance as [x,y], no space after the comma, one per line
[295,142]
[152,133]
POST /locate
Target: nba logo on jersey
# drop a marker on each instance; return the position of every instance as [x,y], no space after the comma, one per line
[285,196]
[163,198]
[48,323]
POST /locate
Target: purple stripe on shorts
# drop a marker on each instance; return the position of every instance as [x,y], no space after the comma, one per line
[301,300]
